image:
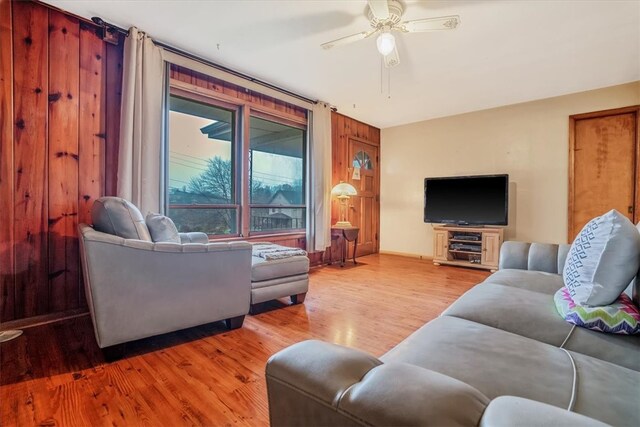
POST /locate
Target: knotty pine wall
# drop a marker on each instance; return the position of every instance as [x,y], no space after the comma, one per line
[343,128]
[59,125]
[231,92]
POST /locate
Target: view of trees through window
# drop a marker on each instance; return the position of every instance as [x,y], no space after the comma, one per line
[200,168]
[277,176]
[203,183]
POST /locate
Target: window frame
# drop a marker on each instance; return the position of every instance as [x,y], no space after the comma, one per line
[275,119]
[243,109]
[235,157]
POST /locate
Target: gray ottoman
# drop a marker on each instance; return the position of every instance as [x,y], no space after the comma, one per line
[271,279]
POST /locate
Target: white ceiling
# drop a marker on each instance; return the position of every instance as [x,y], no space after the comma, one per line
[504,52]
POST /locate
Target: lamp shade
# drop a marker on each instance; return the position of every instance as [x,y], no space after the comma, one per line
[344,189]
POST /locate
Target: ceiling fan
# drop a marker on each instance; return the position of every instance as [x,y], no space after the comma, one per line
[385,17]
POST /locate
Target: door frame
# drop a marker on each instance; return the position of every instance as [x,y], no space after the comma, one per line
[572,144]
[376,179]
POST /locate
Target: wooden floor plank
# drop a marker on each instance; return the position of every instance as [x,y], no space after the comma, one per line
[55,374]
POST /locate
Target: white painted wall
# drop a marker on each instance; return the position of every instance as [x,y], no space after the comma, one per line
[528,141]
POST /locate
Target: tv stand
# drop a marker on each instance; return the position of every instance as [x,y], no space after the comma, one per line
[467,246]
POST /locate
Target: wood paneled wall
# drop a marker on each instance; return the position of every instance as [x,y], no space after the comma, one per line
[230,92]
[343,128]
[59,124]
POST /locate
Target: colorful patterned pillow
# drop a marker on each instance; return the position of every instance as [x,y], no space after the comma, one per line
[603,260]
[621,317]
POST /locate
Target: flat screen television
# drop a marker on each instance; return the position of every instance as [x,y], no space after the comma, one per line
[467,200]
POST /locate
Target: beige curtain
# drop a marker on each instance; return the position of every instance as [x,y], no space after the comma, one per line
[141,123]
[321,176]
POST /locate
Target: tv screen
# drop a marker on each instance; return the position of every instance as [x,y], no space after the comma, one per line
[467,200]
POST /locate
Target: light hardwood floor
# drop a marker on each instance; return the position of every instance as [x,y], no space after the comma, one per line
[55,374]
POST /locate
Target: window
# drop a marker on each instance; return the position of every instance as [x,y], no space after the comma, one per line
[201,168]
[235,167]
[276,176]
[362,160]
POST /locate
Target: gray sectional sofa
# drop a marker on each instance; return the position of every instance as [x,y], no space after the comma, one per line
[499,356]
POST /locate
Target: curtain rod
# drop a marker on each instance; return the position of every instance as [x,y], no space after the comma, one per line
[114,28]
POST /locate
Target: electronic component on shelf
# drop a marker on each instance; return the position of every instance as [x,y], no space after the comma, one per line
[465,247]
[469,237]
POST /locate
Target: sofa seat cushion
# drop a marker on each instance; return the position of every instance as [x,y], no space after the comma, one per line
[538,281]
[534,315]
[500,363]
[261,269]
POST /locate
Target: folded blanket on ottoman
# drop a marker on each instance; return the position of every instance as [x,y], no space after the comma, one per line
[270,251]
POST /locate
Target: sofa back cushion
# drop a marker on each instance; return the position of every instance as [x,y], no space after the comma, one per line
[113,215]
[603,260]
[162,228]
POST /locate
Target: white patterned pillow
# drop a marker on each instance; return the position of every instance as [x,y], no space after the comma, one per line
[603,260]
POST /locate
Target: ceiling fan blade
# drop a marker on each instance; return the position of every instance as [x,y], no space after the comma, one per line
[392,59]
[379,9]
[348,39]
[430,24]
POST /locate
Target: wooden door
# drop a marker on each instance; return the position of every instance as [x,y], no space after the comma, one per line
[440,245]
[490,249]
[602,169]
[364,208]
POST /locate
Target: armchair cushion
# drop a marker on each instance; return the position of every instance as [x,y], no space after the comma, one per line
[118,217]
[162,228]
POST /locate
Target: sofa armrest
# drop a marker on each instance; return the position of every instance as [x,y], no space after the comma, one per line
[544,257]
[315,383]
[194,237]
[506,411]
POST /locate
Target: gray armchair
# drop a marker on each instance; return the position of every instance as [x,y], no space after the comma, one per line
[136,288]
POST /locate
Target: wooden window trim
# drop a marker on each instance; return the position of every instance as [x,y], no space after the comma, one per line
[275,118]
[213,236]
[194,90]
[234,161]
[304,176]
[203,206]
[266,206]
[301,234]
[275,232]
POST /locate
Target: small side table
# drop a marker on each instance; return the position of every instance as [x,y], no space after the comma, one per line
[345,235]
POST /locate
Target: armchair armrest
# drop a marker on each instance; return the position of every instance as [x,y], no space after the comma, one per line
[506,411]
[316,383]
[545,257]
[194,237]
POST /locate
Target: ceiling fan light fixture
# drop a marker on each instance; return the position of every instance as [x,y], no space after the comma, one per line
[386,42]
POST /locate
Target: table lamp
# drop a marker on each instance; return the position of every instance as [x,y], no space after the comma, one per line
[344,191]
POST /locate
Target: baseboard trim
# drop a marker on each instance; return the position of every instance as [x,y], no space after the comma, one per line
[44,319]
[407,254]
